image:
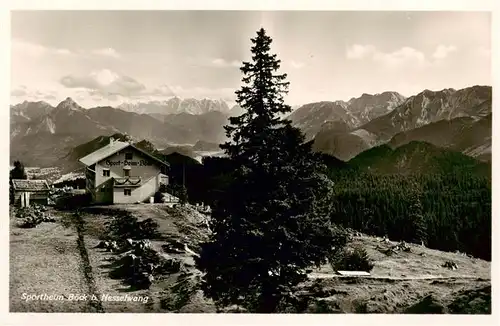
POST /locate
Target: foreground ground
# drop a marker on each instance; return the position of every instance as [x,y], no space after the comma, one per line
[62,259]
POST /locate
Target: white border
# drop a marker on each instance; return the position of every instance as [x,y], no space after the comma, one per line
[379,5]
[238,319]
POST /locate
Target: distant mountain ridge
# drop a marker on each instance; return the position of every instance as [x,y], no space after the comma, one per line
[311,117]
[176,105]
[27,111]
[45,137]
[431,106]
[425,108]
[459,120]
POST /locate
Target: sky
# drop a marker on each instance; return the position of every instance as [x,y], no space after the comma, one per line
[112,57]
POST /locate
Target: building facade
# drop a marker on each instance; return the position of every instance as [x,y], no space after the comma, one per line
[122,173]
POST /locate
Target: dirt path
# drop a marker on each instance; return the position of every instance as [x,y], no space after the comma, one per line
[101,263]
[94,298]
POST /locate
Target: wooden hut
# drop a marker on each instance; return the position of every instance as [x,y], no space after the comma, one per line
[28,191]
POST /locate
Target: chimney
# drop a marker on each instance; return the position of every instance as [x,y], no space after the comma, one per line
[111,140]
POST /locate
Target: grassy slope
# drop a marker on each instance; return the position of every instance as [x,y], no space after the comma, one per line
[383,293]
[399,281]
[396,283]
[45,260]
[413,264]
[172,223]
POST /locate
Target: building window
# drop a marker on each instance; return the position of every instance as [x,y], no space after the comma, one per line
[128,156]
[127,192]
[105,173]
[126,172]
[103,189]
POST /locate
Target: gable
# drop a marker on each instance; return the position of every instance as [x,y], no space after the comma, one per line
[132,156]
[117,147]
[103,152]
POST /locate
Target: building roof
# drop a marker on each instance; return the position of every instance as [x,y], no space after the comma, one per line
[104,152]
[30,185]
[112,148]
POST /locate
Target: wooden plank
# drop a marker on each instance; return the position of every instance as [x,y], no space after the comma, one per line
[353,273]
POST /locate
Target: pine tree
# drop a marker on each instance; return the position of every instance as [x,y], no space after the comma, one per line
[417,220]
[17,172]
[183,195]
[272,221]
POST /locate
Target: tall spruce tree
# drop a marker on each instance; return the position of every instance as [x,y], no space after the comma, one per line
[272,221]
[418,224]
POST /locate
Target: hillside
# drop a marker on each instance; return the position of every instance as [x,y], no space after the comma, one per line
[207,126]
[310,117]
[404,282]
[417,157]
[335,138]
[464,134]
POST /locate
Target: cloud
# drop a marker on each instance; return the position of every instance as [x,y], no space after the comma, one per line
[400,57]
[23,93]
[36,50]
[105,82]
[358,51]
[296,64]
[213,62]
[107,52]
[403,56]
[19,91]
[442,51]
[221,63]
[63,51]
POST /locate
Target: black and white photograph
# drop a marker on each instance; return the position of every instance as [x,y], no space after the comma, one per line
[248,161]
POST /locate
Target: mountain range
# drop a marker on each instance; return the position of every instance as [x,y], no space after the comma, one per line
[434,111]
[458,120]
[41,134]
[312,117]
[176,105]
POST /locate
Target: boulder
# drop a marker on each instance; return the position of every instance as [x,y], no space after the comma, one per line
[451,265]
[102,245]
